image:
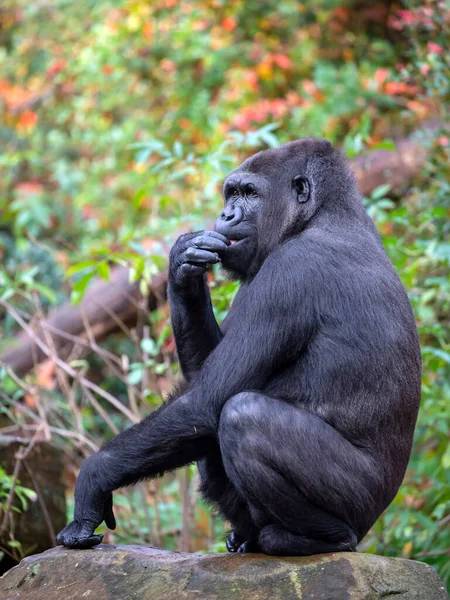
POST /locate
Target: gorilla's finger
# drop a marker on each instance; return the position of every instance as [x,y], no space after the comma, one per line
[188,269]
[85,543]
[211,243]
[197,255]
[109,517]
[216,235]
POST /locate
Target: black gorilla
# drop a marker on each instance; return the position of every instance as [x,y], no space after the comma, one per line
[300,408]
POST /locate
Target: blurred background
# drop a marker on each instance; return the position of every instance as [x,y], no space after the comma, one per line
[118,122]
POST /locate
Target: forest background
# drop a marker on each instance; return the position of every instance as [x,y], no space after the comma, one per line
[119,120]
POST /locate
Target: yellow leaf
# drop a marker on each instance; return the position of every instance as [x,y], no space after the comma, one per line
[264,71]
[406,551]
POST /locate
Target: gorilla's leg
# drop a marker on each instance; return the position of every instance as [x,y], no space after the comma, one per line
[217,489]
[307,487]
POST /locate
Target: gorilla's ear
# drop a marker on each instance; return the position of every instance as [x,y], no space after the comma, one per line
[301,186]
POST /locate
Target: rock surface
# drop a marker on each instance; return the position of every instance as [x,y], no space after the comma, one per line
[134,573]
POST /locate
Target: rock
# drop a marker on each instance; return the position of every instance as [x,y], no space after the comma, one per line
[41,471]
[135,573]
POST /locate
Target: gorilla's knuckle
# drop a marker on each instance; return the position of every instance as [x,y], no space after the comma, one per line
[191,253]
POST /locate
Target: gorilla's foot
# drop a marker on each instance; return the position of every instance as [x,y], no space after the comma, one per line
[280,542]
[236,543]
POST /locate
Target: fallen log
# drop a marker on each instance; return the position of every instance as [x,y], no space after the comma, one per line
[108,305]
[394,167]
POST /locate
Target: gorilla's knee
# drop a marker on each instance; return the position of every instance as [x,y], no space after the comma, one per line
[240,410]
[239,418]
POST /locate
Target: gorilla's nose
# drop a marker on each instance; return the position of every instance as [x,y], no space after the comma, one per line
[229,217]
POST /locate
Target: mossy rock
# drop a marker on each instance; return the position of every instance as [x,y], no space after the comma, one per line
[134,573]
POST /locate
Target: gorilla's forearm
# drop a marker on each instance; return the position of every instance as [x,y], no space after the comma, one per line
[194,326]
[171,437]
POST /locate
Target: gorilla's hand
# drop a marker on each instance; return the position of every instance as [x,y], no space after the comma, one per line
[92,507]
[192,253]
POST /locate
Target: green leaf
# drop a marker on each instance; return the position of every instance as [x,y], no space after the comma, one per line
[45,291]
[79,267]
[178,149]
[135,376]
[79,288]
[103,270]
[139,196]
[143,155]
[380,191]
[149,346]
[384,145]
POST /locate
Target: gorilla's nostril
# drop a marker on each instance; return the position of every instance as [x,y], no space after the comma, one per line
[228,214]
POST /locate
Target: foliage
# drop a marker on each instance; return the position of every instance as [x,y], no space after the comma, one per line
[120,118]
[23,494]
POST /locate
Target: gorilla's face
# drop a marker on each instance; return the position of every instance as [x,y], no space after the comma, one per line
[269,198]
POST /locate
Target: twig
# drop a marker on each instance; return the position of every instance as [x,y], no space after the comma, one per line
[67,389]
[185,531]
[21,454]
[62,432]
[85,382]
[9,500]
[101,411]
[145,357]
[37,489]
[153,488]
[148,518]
[19,406]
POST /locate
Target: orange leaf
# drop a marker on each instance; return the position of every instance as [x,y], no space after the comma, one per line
[282,61]
[417,107]
[28,120]
[45,374]
[30,401]
[168,65]
[229,24]
[56,67]
[29,188]
[147,30]
[381,75]
[399,87]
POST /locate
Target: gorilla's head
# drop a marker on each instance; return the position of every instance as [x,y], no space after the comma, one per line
[274,195]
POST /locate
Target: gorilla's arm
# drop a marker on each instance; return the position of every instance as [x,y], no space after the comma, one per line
[255,346]
[194,325]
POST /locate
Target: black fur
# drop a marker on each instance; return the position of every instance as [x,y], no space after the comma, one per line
[300,408]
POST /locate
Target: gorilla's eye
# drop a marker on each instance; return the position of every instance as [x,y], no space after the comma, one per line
[301,185]
[234,192]
[250,190]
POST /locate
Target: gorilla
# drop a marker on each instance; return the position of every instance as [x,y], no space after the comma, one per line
[300,407]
